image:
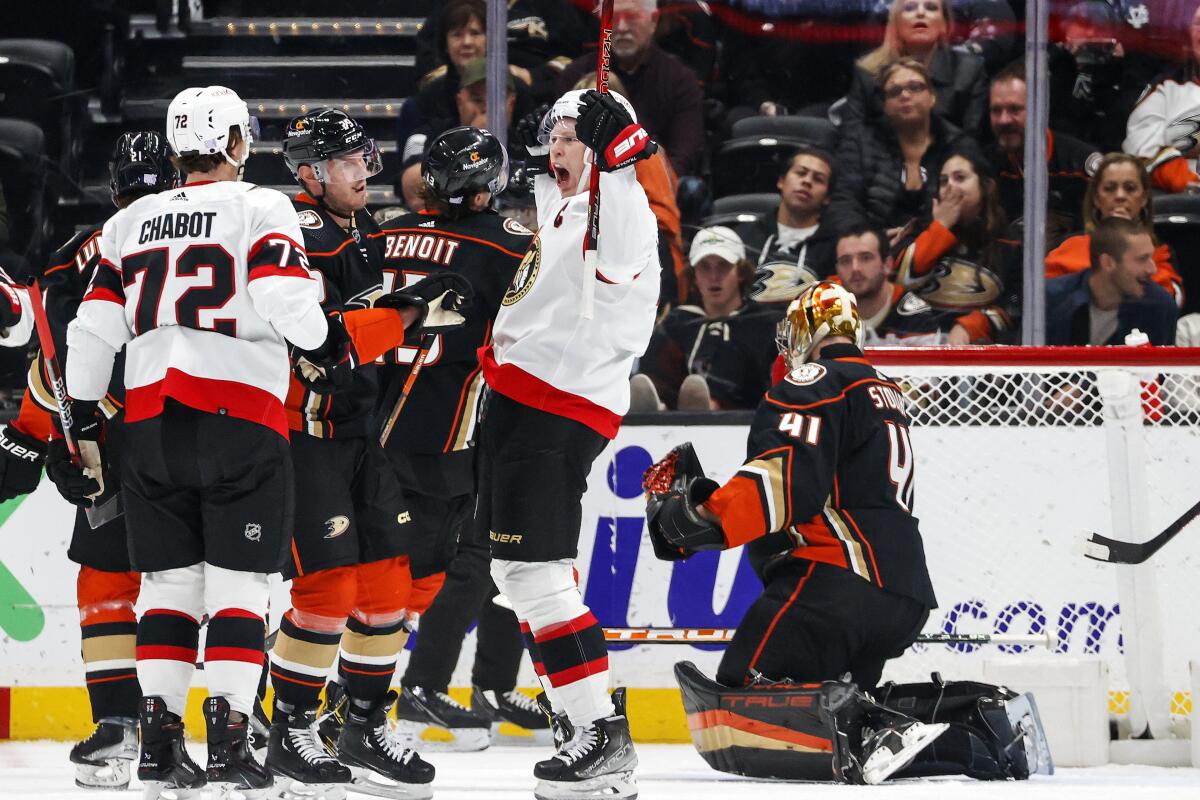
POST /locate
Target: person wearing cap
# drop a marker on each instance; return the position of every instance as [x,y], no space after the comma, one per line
[717,354]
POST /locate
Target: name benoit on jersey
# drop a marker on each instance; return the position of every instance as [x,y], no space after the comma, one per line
[180,225]
[423,246]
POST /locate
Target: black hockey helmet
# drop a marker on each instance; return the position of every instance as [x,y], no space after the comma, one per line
[463,161]
[326,133]
[141,162]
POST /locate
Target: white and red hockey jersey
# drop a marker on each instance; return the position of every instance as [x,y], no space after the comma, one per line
[203,284]
[544,354]
[17,296]
[1164,128]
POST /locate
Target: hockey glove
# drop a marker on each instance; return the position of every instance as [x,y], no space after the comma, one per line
[440,298]
[72,482]
[779,282]
[80,483]
[10,306]
[21,462]
[526,133]
[606,127]
[675,488]
[330,368]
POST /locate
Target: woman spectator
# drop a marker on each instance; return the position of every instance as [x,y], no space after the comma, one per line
[962,258]
[1163,128]
[1120,188]
[888,168]
[920,29]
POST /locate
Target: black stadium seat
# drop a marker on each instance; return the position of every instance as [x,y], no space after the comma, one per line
[751,164]
[816,131]
[1177,223]
[23,176]
[732,209]
[37,83]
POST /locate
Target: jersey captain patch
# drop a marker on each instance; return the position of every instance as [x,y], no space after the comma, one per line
[309,219]
[526,274]
[806,374]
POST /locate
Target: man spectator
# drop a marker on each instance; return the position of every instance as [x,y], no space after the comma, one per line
[796,233]
[1102,304]
[1070,162]
[665,94]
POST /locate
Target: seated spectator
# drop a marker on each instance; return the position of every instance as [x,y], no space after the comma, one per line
[1164,127]
[665,94]
[988,29]
[716,355]
[1120,188]
[920,30]
[1104,303]
[887,168]
[1069,161]
[961,259]
[797,232]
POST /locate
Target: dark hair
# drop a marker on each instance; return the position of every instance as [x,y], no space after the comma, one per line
[862,229]
[1090,218]
[992,223]
[1014,71]
[206,163]
[458,14]
[810,150]
[448,211]
[1110,237]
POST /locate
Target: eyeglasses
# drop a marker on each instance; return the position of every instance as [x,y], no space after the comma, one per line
[912,87]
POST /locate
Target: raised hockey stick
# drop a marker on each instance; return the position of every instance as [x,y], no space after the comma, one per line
[427,341]
[1101,548]
[111,508]
[725,635]
[591,234]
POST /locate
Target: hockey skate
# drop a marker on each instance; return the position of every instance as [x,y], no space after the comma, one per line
[298,758]
[597,762]
[378,759]
[419,709]
[165,769]
[260,731]
[332,716]
[514,708]
[232,771]
[560,726]
[102,760]
[888,750]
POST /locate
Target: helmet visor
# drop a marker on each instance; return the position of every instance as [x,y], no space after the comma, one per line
[499,183]
[355,166]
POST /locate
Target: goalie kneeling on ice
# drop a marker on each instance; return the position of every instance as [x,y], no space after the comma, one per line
[818,731]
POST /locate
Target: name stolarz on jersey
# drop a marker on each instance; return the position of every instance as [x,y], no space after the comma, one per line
[180,225]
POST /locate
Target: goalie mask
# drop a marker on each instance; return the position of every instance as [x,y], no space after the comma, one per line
[823,309]
[199,120]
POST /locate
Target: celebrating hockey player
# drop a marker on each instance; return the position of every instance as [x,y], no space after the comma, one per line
[432,444]
[559,386]
[348,564]
[204,286]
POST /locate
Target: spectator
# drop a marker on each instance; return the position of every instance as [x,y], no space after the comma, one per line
[716,355]
[1069,161]
[688,29]
[1120,188]
[988,29]
[1116,294]
[920,30]
[887,168]
[797,232]
[961,261]
[665,94]
[890,315]
[1164,128]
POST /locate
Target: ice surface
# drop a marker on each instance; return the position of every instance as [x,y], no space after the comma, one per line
[40,770]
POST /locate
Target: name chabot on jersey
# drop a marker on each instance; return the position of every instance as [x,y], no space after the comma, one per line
[421,246]
[181,225]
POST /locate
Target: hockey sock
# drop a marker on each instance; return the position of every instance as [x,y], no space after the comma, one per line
[233,657]
[108,630]
[166,655]
[301,660]
[368,658]
[575,661]
[539,669]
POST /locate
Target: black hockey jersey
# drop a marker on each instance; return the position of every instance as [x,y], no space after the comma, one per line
[830,464]
[437,423]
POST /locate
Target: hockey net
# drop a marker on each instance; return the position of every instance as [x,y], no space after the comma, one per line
[1018,450]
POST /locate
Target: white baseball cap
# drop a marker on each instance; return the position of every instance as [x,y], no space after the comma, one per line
[717,241]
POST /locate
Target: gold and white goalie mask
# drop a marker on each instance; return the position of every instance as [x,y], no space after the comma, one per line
[823,309]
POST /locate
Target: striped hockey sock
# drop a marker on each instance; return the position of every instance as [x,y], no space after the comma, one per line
[574,661]
[368,658]
[166,655]
[108,633]
[233,657]
[300,663]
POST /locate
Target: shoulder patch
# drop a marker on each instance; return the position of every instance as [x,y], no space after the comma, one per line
[1091,163]
[910,305]
[309,219]
[806,374]
[516,228]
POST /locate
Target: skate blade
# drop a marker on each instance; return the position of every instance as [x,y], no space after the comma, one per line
[509,734]
[226,790]
[434,739]
[369,782]
[113,773]
[1023,714]
[158,790]
[614,786]
[876,775]
[288,789]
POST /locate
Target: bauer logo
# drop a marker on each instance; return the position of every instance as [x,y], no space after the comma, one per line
[253,531]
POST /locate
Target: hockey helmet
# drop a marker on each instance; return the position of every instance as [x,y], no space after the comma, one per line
[822,309]
[141,162]
[569,106]
[199,120]
[326,134]
[463,161]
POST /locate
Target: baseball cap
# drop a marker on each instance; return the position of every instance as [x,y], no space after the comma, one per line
[717,241]
[475,71]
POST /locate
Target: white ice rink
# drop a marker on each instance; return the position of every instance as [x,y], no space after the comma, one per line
[40,770]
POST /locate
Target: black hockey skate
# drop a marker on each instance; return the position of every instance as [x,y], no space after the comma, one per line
[260,731]
[560,725]
[232,770]
[419,709]
[597,762]
[888,750]
[515,708]
[301,763]
[165,765]
[102,760]
[332,716]
[378,759]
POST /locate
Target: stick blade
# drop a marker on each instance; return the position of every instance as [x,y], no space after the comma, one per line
[1092,545]
[105,512]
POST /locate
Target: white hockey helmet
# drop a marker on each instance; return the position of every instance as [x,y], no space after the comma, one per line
[822,309]
[569,106]
[199,119]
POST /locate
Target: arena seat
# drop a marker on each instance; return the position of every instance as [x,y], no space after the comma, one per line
[37,83]
[1177,224]
[751,164]
[816,131]
[23,176]
[732,209]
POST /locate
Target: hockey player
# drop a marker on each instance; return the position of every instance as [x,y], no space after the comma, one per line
[348,564]
[204,286]
[16,315]
[433,450]
[559,387]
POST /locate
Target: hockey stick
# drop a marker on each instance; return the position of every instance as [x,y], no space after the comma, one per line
[591,233]
[1101,548]
[418,362]
[111,508]
[725,635]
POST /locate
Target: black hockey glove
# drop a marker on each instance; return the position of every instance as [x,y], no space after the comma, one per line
[606,127]
[526,133]
[79,484]
[675,488]
[21,462]
[329,368]
[72,482]
[441,298]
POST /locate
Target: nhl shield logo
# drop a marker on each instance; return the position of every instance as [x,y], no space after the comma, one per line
[253,531]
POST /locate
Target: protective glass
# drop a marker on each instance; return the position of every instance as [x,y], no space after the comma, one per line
[354,166]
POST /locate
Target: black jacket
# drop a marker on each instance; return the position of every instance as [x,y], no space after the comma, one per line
[817,253]
[1068,319]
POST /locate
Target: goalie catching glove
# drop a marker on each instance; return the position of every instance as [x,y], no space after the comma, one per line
[675,489]
[440,298]
[611,132]
[329,368]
